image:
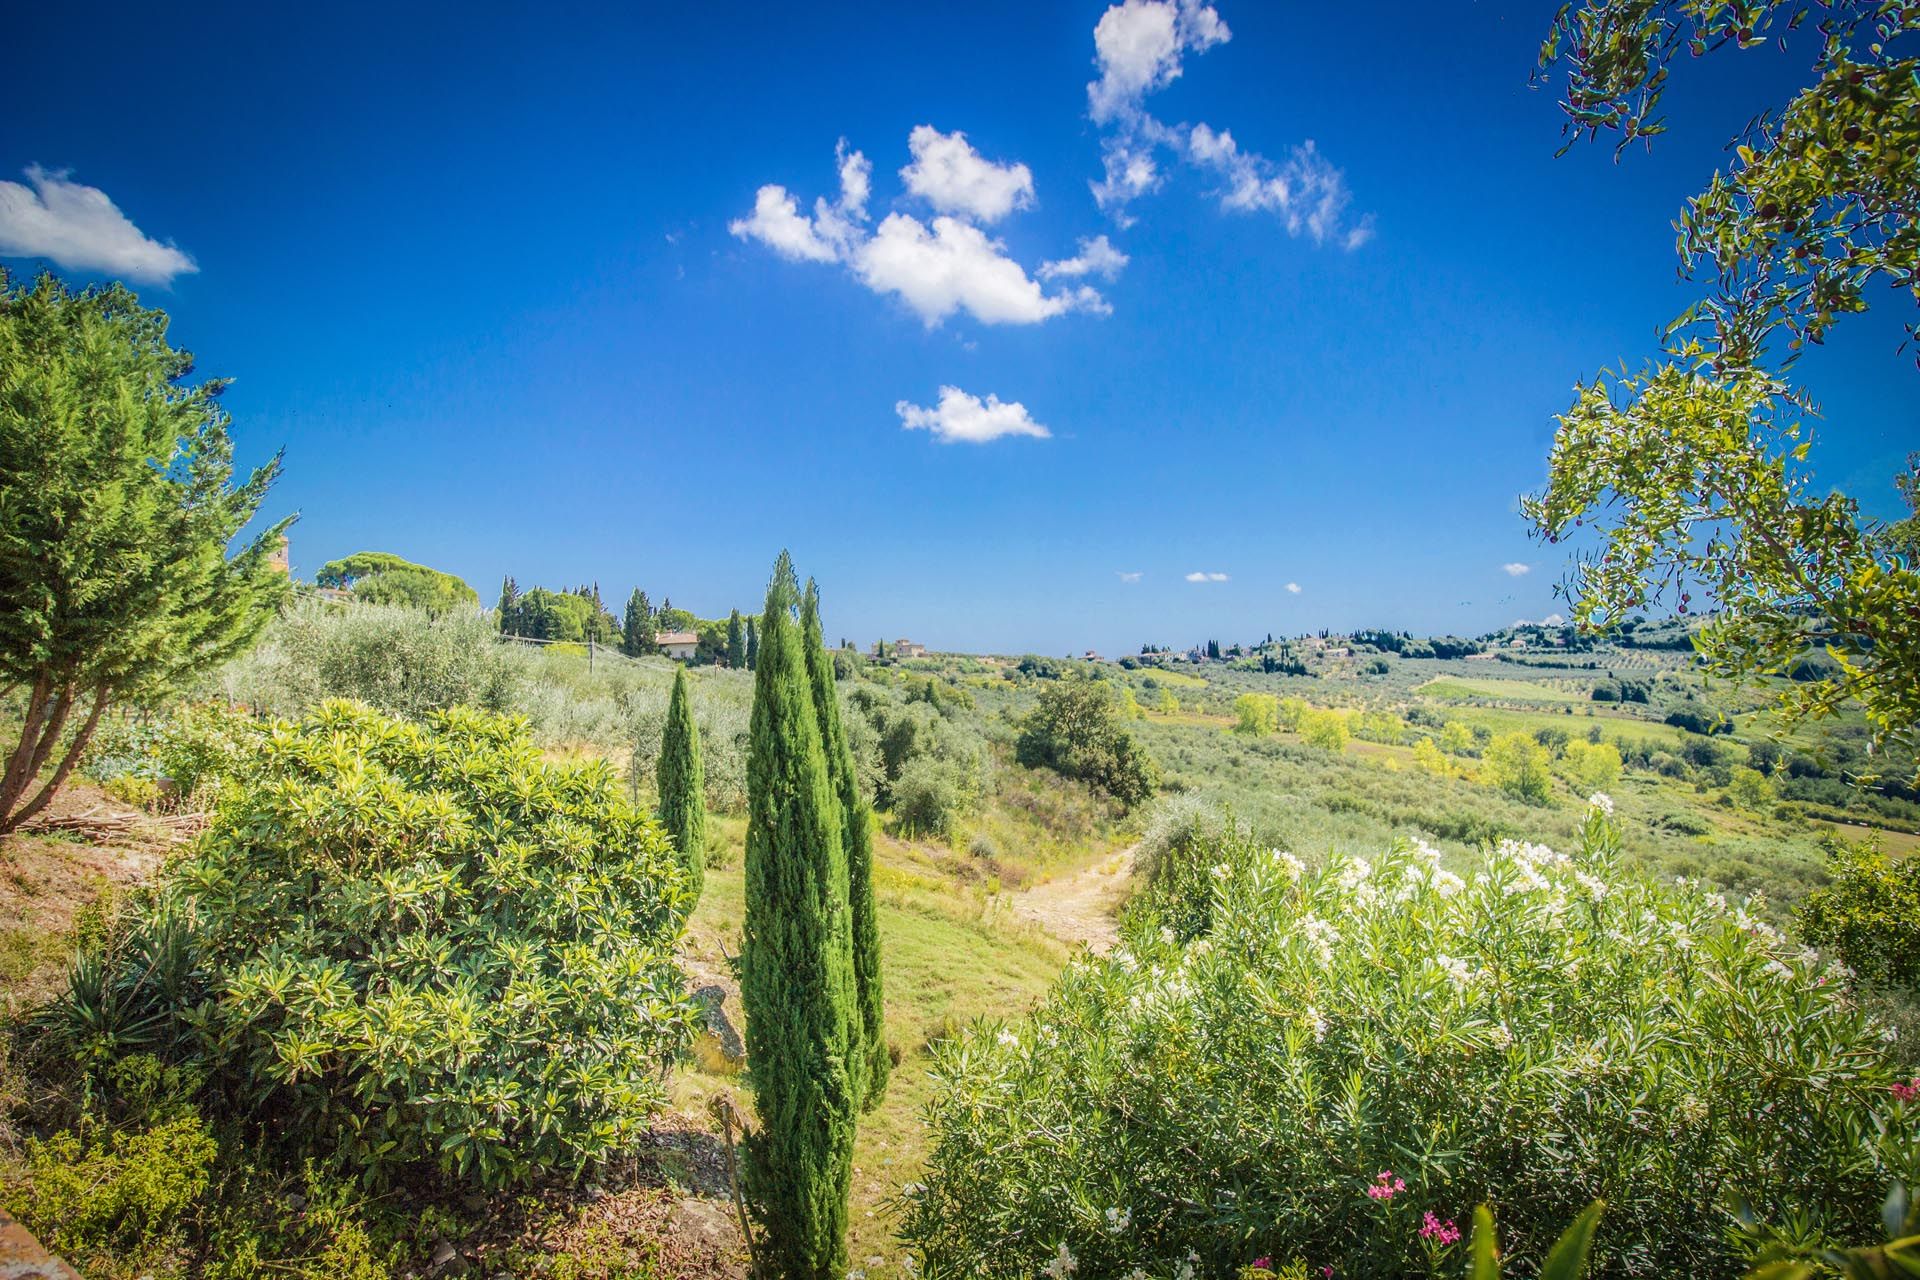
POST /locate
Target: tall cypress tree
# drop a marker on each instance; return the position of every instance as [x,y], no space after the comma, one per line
[796,966]
[859,843]
[683,782]
[509,602]
[736,643]
[753,644]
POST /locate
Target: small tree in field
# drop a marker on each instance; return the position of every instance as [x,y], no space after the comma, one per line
[637,628]
[1259,714]
[796,966]
[736,642]
[683,783]
[116,512]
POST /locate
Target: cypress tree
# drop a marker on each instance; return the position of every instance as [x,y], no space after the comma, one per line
[683,781]
[736,643]
[796,966]
[636,629]
[859,844]
[753,645]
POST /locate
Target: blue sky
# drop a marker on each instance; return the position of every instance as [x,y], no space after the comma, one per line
[495,280]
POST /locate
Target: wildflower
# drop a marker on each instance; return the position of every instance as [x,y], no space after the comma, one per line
[1432,1228]
[1318,1023]
[1063,1265]
[1456,970]
[1907,1092]
[1292,866]
[1445,883]
[1009,1040]
[1356,873]
[1592,886]
[1263,1262]
[1321,936]
[1119,1220]
[1602,801]
[1385,1186]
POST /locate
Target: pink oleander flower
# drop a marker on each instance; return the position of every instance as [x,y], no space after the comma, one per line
[1432,1228]
[1264,1263]
[1907,1092]
[1385,1186]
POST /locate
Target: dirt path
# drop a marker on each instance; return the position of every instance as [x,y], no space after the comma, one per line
[1080,907]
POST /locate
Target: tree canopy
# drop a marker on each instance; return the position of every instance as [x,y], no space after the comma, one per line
[1691,473]
[117,511]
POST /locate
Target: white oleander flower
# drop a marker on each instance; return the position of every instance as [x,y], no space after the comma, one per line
[1119,1220]
[1602,801]
[1063,1265]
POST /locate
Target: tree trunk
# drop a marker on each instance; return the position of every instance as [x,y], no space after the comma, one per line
[18,773]
[74,751]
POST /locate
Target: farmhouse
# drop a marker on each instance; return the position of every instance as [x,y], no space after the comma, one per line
[678,645]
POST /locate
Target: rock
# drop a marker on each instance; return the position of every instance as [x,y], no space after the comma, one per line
[707,1221]
[713,1001]
[446,1260]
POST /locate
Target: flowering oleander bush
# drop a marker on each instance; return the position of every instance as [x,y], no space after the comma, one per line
[1341,1063]
[428,946]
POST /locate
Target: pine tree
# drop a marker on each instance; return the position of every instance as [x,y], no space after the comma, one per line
[796,966]
[636,629]
[509,600]
[859,843]
[683,782]
[753,645]
[736,643]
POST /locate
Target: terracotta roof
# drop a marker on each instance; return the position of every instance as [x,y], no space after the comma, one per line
[678,637]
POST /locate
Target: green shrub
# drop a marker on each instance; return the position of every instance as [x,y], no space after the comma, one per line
[1539,1036]
[113,1195]
[1517,764]
[1074,731]
[401,660]
[1869,915]
[1259,714]
[430,947]
[1324,729]
[930,795]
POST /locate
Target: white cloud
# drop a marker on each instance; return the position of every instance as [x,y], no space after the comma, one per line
[1293,588]
[937,268]
[1138,44]
[1126,576]
[828,236]
[963,419]
[1307,192]
[1516,569]
[1206,577]
[953,266]
[78,227]
[1138,47]
[954,178]
[1097,257]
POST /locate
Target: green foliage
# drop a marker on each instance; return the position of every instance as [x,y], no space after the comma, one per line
[1326,730]
[574,616]
[117,509]
[1749,789]
[427,946]
[1517,764]
[1591,766]
[115,1195]
[683,784]
[796,965]
[1258,714]
[872,1065]
[1075,732]
[379,577]
[1693,471]
[1787,1254]
[736,642]
[639,629]
[1540,1035]
[1868,914]
[395,659]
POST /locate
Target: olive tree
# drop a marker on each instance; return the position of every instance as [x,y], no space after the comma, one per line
[117,514]
[1692,472]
